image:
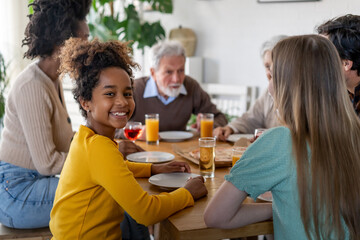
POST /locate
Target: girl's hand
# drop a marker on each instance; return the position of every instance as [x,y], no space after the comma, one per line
[174,166]
[127,147]
[196,187]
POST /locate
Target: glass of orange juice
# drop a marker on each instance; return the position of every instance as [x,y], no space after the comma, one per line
[152,128]
[237,153]
[206,124]
[207,156]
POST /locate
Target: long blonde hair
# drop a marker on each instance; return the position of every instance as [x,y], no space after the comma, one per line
[312,100]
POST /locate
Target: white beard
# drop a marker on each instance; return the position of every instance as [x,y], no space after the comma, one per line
[170,91]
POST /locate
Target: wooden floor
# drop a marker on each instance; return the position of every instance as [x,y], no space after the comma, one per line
[25,234]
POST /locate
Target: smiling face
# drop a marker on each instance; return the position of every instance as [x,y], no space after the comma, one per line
[112,102]
[170,75]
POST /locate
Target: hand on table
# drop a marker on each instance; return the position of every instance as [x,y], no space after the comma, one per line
[222,133]
[196,187]
[173,166]
[127,147]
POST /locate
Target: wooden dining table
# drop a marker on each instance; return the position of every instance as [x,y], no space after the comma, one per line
[189,222]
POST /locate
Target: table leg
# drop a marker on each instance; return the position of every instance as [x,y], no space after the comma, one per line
[165,231]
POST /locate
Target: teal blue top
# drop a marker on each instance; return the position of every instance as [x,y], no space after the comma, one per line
[268,165]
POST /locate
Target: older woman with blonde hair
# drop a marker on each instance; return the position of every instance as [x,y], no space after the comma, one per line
[311,163]
[262,113]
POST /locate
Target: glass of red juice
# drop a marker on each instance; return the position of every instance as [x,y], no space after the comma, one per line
[133,130]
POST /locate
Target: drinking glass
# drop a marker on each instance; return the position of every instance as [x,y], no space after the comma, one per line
[237,153]
[258,132]
[207,156]
[206,125]
[152,128]
[133,130]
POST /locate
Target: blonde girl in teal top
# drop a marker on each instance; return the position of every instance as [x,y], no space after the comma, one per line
[311,164]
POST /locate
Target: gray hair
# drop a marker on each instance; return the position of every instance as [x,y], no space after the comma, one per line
[165,48]
[270,44]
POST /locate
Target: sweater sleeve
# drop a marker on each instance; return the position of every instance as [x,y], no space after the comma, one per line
[252,119]
[139,169]
[113,174]
[35,110]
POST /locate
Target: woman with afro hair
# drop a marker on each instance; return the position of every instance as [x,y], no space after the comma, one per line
[37,132]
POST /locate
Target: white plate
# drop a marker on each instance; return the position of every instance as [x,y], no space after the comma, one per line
[235,137]
[150,157]
[175,136]
[266,196]
[171,180]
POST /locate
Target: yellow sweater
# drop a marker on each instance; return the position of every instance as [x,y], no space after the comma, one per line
[96,186]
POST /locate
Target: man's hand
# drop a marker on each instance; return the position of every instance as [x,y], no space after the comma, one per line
[127,147]
[222,133]
[173,166]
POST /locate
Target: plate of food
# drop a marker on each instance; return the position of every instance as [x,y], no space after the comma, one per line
[175,136]
[235,137]
[223,155]
[150,157]
[171,181]
[267,197]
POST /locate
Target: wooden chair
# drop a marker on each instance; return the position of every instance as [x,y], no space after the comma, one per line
[232,99]
[25,234]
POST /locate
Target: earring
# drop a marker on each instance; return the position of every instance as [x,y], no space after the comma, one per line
[88,110]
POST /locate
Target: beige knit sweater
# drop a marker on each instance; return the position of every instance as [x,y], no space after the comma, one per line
[37,131]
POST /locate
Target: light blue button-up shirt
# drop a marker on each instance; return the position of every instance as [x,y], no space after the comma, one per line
[152,91]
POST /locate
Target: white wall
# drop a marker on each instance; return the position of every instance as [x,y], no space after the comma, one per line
[13,20]
[230,32]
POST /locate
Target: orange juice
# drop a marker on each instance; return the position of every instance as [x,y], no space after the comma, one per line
[206,127]
[207,161]
[237,153]
[207,156]
[234,159]
[152,130]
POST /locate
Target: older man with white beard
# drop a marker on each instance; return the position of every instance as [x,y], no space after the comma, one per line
[169,92]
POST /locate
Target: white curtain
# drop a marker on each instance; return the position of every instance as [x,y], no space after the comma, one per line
[13,20]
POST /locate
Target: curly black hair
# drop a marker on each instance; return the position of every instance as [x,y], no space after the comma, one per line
[52,22]
[344,33]
[83,61]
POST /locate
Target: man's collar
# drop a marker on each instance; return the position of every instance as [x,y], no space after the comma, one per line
[150,89]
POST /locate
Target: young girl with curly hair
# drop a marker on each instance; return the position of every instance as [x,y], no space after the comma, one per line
[96,184]
[37,132]
[311,163]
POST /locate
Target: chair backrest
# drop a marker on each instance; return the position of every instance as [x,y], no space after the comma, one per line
[232,99]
